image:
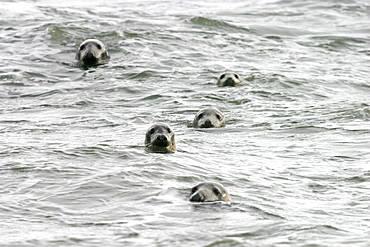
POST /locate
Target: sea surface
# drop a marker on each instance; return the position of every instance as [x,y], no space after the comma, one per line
[294,154]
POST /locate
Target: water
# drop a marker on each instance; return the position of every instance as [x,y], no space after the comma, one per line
[294,153]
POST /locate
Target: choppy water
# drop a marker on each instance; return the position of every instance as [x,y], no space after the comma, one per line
[294,155]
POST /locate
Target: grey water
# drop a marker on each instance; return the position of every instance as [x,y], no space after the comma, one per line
[294,153]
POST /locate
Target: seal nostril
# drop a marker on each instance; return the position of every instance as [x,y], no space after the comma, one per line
[196,197]
[207,123]
[229,82]
[161,138]
[89,55]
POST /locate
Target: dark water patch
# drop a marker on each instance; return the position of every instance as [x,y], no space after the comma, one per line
[359,179]
[334,43]
[17,167]
[10,79]
[277,38]
[278,31]
[342,158]
[16,122]
[321,188]
[41,94]
[240,101]
[358,111]
[216,24]
[60,34]
[154,98]
[144,75]
[224,243]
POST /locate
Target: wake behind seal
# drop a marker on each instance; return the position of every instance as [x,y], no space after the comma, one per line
[92,52]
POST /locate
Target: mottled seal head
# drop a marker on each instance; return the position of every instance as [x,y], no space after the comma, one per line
[209,192]
[209,118]
[160,138]
[228,79]
[92,52]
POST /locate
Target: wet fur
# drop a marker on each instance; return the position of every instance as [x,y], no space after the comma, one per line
[228,79]
[209,192]
[92,52]
[160,138]
[209,118]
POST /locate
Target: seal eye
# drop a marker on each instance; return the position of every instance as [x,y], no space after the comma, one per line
[98,46]
[152,131]
[218,117]
[222,76]
[168,130]
[82,47]
[200,116]
[216,191]
[236,76]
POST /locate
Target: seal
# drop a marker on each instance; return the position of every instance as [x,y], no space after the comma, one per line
[160,138]
[228,79]
[209,192]
[92,52]
[209,118]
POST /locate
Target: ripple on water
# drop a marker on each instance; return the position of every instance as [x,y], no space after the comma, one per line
[293,153]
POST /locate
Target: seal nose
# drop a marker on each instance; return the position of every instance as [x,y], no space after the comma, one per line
[207,124]
[90,56]
[196,197]
[230,82]
[161,138]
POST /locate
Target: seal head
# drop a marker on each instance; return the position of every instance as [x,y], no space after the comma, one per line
[92,52]
[209,192]
[228,79]
[209,118]
[160,138]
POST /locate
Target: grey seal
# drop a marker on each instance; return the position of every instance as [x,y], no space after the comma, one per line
[160,138]
[209,118]
[209,192]
[92,52]
[228,79]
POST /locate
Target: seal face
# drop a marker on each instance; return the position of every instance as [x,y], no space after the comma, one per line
[209,192]
[209,118]
[92,52]
[160,138]
[228,79]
